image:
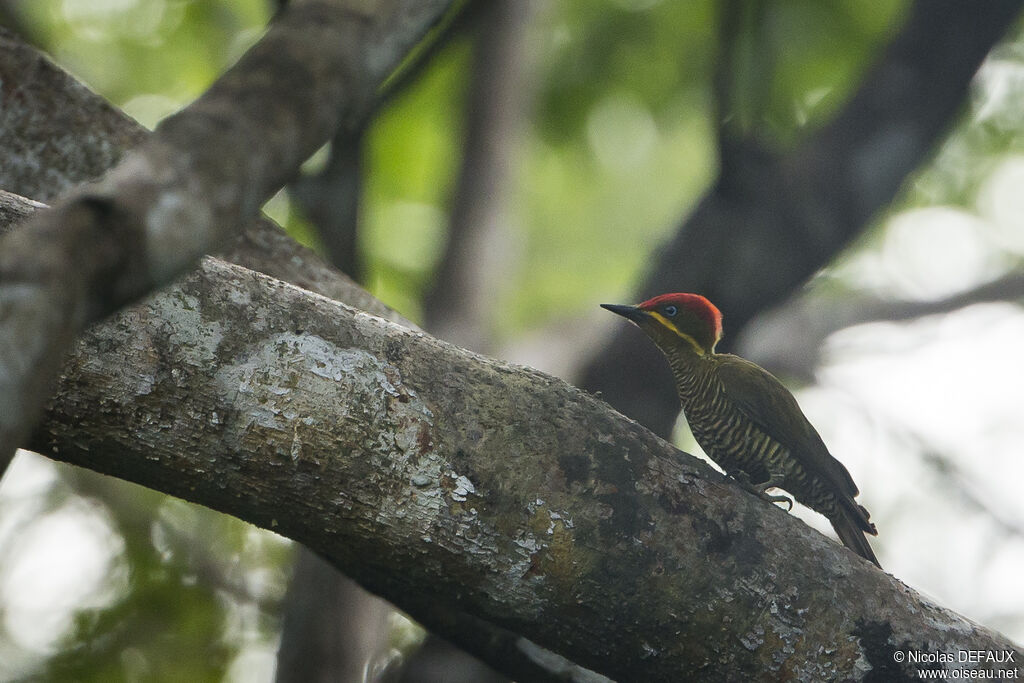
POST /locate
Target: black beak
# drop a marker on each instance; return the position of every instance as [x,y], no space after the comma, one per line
[631,312]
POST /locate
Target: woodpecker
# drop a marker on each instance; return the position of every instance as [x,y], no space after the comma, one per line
[746,420]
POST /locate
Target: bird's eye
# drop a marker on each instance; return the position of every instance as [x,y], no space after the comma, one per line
[671,311]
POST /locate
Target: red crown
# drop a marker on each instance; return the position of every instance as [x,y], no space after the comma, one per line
[695,303]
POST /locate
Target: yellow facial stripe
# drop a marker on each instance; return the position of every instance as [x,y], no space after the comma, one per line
[682,335]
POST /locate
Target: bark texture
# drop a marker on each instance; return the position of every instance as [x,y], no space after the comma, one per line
[57,134]
[475,262]
[452,484]
[196,181]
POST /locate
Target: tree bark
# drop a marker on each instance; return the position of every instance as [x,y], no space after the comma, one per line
[470,268]
[192,184]
[55,110]
[58,134]
[449,483]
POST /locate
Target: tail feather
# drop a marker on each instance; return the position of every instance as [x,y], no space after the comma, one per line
[850,526]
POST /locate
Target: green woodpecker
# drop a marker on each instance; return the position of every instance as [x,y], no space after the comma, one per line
[745,419]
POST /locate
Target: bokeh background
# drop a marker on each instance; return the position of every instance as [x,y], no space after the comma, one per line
[907,351]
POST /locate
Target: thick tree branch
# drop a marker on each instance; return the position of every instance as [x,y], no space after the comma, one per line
[618,521]
[61,134]
[471,267]
[57,134]
[276,253]
[54,132]
[191,185]
[774,219]
[330,200]
[450,483]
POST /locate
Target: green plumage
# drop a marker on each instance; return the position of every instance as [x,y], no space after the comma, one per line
[746,420]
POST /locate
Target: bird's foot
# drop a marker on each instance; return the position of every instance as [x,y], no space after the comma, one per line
[761,490]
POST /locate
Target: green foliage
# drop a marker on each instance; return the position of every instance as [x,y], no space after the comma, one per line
[590,48]
[149,57]
[181,582]
[134,639]
[412,157]
[816,53]
[620,145]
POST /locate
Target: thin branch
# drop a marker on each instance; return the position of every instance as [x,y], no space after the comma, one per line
[959,481]
[788,340]
[457,22]
[330,198]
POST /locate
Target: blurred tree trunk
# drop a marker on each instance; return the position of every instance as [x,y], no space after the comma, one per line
[333,630]
[774,218]
[11,19]
[438,661]
[475,261]
[330,199]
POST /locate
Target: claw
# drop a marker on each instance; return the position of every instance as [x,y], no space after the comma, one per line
[760,490]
